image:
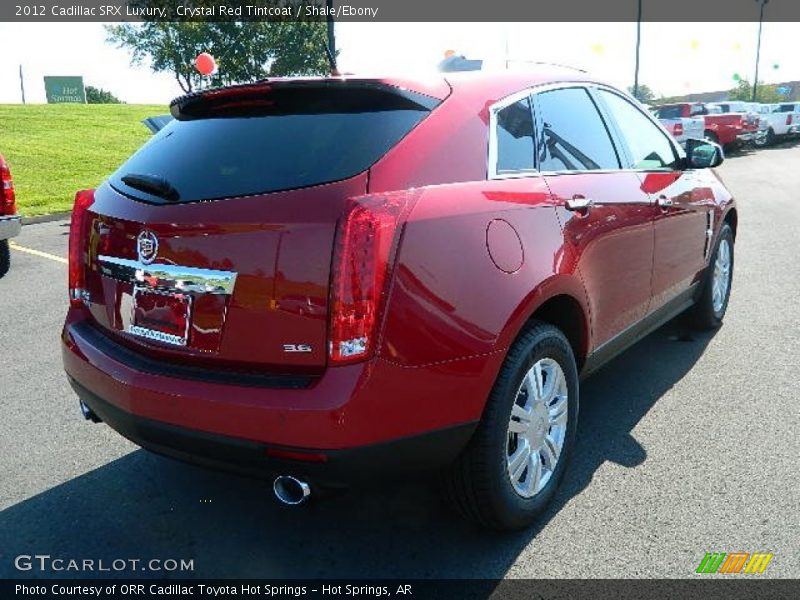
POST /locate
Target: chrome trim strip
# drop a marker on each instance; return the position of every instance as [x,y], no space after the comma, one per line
[172,278]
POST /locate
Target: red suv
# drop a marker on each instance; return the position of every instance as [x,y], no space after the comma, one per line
[10,221]
[335,279]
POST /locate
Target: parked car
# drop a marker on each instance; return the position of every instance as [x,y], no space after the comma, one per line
[470,245]
[779,125]
[10,222]
[681,127]
[728,129]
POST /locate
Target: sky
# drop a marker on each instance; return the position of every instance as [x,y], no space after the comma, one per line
[676,58]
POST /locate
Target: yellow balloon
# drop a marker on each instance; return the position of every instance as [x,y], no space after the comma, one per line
[695,44]
[598,48]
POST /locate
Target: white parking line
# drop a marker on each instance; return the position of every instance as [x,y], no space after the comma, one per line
[39,253]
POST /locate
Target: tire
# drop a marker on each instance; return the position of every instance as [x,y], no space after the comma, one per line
[709,311]
[479,483]
[5,258]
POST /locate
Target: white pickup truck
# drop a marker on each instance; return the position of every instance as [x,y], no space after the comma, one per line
[682,128]
[781,120]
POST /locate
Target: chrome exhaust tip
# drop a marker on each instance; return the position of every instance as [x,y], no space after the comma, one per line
[88,413]
[290,490]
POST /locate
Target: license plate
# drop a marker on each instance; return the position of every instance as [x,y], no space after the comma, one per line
[161,316]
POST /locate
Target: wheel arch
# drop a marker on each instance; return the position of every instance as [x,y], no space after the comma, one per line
[732,218]
[561,302]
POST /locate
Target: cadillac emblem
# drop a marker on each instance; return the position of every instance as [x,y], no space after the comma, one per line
[147,247]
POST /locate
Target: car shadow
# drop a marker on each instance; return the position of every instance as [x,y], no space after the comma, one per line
[143,506]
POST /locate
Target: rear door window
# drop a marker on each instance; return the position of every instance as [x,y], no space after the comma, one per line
[270,141]
[514,138]
[573,136]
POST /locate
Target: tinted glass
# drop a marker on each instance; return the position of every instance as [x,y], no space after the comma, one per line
[515,138]
[649,146]
[669,112]
[573,136]
[302,140]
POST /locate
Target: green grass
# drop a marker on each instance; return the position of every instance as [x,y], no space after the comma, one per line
[55,150]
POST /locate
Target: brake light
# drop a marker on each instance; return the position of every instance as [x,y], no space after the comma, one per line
[366,240]
[77,242]
[8,201]
[678,129]
[789,119]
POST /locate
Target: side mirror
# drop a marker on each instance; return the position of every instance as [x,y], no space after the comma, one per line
[702,154]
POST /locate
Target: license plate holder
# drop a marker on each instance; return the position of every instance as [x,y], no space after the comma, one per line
[161,316]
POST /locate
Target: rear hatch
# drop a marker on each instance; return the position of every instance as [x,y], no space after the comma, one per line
[213,243]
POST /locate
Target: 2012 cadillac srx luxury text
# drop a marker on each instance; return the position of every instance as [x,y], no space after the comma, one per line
[328,280]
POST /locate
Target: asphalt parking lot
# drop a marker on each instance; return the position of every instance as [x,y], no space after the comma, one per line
[688,443]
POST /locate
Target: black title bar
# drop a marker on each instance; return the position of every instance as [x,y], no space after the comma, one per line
[399,10]
[705,587]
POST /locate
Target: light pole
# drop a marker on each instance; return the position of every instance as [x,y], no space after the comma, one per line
[763,3]
[638,43]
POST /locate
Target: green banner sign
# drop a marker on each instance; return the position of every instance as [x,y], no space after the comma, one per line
[64,89]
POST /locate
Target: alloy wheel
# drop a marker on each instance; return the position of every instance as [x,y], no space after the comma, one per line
[537,427]
[722,276]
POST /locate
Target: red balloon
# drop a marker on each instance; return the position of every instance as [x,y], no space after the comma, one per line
[205,63]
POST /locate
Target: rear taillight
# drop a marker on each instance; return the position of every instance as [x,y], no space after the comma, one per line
[789,119]
[366,241]
[77,243]
[678,129]
[8,201]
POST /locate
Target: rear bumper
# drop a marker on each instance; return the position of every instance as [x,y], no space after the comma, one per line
[397,458]
[10,227]
[366,419]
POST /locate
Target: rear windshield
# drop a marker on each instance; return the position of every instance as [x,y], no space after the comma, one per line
[669,112]
[267,140]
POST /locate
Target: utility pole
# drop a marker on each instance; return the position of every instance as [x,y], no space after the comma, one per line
[21,83]
[331,32]
[763,3]
[638,44]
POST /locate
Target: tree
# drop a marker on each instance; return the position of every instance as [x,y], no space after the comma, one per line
[100,96]
[768,94]
[644,94]
[245,51]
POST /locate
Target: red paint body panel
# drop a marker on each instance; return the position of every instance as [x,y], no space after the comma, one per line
[474,260]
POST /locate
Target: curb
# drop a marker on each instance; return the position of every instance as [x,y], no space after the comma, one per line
[45,218]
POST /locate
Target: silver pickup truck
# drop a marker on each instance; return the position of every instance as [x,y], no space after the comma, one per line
[681,128]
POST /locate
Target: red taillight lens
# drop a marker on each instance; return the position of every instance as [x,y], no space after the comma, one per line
[789,119]
[77,243]
[678,129]
[366,241]
[8,201]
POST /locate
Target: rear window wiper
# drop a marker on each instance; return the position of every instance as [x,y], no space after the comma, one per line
[152,184]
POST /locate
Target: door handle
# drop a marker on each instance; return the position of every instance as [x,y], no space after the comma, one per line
[579,203]
[664,201]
